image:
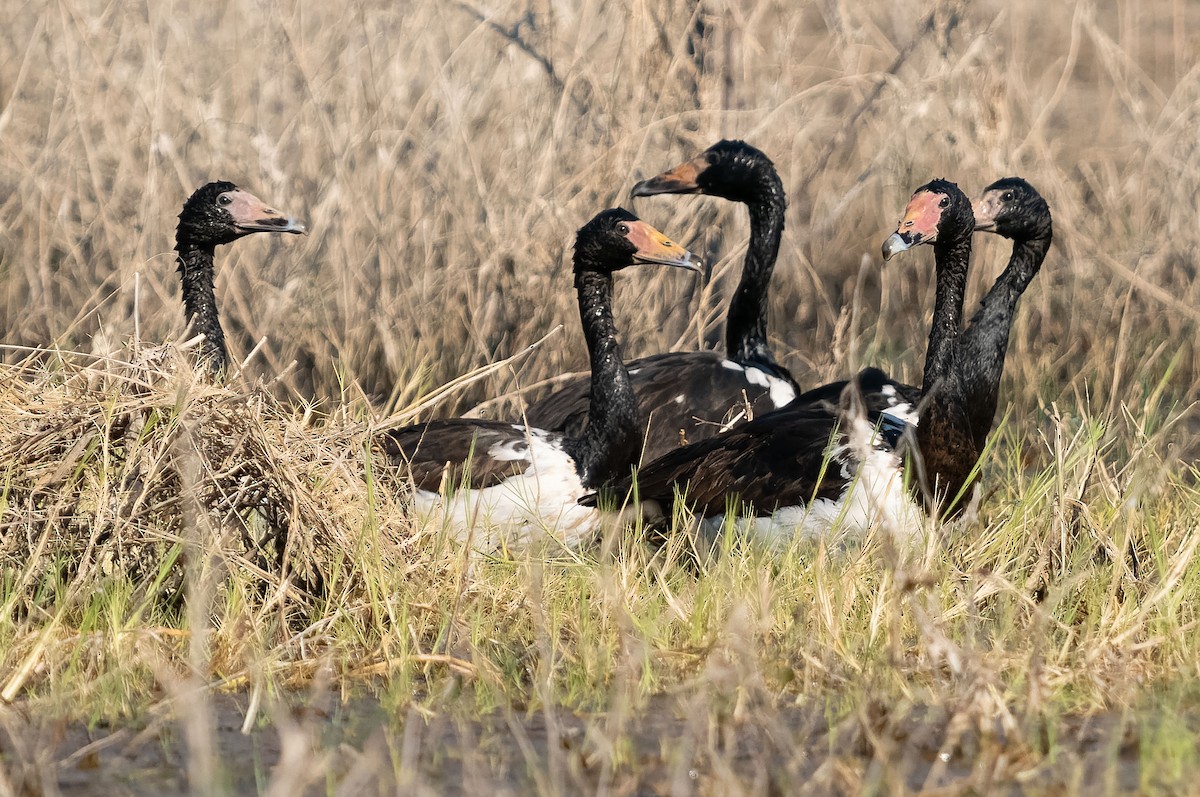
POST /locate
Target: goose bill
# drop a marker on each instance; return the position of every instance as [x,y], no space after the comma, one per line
[919,225]
[895,243]
[985,213]
[654,247]
[683,179]
[251,214]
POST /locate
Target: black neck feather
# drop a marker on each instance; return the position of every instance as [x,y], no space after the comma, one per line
[746,323]
[952,257]
[985,342]
[611,439]
[200,301]
[946,453]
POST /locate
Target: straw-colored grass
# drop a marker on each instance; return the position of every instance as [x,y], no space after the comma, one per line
[167,541]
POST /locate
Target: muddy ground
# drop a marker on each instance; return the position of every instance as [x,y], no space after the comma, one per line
[673,745]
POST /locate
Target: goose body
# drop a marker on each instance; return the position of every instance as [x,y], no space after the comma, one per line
[495,484]
[799,471]
[217,213]
[850,455]
[690,396]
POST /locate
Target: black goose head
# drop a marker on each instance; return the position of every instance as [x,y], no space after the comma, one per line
[1012,208]
[938,212]
[616,239]
[220,212]
[732,170]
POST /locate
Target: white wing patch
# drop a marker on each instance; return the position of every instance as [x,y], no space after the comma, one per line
[536,506]
[509,451]
[898,408]
[782,391]
[877,497]
[757,376]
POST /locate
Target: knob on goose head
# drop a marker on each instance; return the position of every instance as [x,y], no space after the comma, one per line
[220,213]
[1012,208]
[732,170]
[616,239]
[935,211]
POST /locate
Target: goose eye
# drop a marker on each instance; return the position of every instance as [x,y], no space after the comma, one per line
[945,203]
[1008,196]
[224,199]
[623,228]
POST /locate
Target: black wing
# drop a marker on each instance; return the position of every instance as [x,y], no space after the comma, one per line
[457,450]
[688,396]
[779,459]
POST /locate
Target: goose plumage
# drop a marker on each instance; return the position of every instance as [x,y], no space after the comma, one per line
[1009,207]
[494,484]
[818,465]
[694,395]
[217,213]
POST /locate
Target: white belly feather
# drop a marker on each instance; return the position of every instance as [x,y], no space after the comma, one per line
[534,506]
[875,495]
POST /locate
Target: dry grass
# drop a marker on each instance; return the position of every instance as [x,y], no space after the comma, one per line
[443,155]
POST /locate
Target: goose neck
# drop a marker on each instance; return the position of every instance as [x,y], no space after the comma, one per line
[746,325]
[985,341]
[200,301]
[952,258]
[610,440]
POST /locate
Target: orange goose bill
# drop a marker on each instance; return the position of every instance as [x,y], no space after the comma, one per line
[251,214]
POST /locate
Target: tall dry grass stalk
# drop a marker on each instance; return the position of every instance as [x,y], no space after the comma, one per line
[444,155]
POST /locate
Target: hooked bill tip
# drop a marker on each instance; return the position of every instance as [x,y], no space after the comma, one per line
[894,244]
[689,262]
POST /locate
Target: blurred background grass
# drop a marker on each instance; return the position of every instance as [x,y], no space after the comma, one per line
[444,154]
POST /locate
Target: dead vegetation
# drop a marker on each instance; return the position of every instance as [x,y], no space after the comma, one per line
[442,156]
